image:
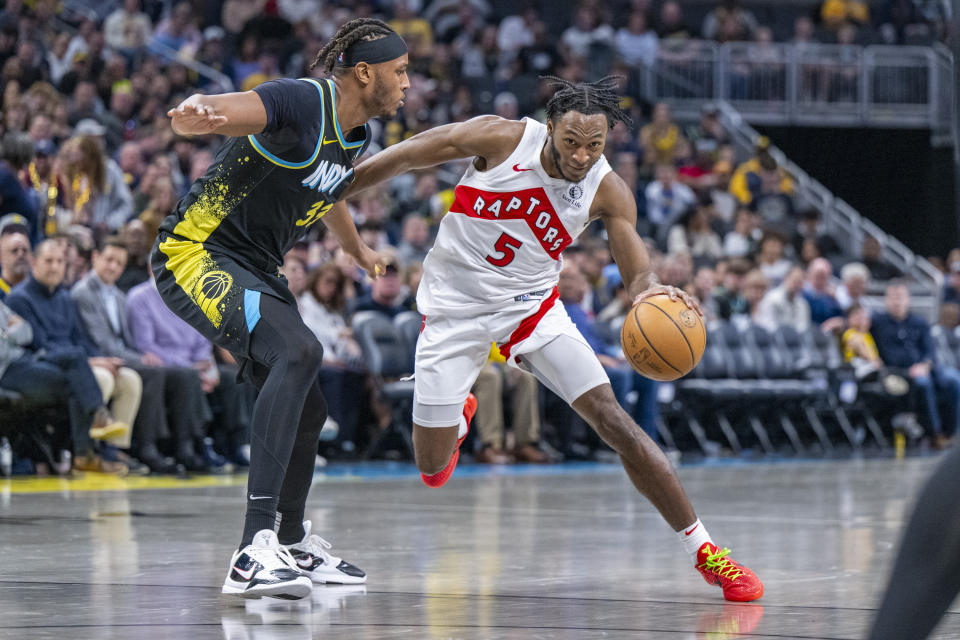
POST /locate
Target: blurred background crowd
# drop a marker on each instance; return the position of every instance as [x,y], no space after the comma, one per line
[90,167]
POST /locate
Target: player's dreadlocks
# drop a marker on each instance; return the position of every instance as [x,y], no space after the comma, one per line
[587,98]
[350,33]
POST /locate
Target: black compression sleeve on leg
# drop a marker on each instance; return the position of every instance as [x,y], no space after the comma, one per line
[292,356]
[296,484]
[926,575]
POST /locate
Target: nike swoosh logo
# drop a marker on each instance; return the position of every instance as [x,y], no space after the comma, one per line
[691,530]
[253,497]
[516,167]
[326,142]
[246,575]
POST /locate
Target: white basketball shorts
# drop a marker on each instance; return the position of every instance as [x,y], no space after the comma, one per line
[452,351]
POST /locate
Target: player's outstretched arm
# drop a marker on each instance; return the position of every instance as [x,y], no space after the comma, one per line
[228,114]
[618,210]
[489,138]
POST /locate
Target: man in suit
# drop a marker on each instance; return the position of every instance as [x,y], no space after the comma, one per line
[69,358]
[172,396]
[62,378]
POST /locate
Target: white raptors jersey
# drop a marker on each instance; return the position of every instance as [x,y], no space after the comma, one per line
[502,239]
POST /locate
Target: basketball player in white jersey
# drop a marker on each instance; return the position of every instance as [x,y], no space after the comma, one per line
[492,275]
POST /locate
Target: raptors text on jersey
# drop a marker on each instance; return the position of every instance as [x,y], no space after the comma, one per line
[505,232]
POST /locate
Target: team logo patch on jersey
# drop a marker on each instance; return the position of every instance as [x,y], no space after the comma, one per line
[573,195]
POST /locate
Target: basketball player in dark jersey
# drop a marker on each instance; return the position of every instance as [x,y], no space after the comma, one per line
[925,579]
[216,262]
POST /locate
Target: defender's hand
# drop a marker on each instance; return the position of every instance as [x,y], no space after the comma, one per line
[370,261]
[191,117]
[674,293]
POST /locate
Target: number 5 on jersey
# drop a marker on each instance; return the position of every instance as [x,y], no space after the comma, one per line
[505,245]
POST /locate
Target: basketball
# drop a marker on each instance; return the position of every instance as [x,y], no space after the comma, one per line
[663,339]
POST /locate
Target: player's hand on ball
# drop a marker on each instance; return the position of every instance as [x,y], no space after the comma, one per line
[191,117]
[674,293]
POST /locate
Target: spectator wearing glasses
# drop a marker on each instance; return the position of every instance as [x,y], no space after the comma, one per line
[14,253]
[60,341]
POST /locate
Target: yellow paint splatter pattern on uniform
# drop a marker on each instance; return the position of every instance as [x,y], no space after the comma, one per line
[195,271]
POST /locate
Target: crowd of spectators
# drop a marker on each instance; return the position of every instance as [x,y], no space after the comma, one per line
[89,167]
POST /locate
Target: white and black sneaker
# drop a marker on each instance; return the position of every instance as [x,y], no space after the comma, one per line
[313,560]
[265,568]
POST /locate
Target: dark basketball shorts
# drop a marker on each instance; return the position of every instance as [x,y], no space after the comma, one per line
[212,292]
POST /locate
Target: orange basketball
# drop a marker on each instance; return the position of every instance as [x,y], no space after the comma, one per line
[663,339]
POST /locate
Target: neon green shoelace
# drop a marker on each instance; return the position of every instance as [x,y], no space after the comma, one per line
[719,564]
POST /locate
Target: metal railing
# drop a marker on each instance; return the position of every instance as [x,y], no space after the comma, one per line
[844,223]
[946,131]
[219,82]
[808,84]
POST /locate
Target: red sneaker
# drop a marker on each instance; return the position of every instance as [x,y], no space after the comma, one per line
[739,584]
[439,479]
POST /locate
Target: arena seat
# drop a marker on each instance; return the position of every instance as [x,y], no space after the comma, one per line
[843,391]
[409,324]
[388,360]
[787,387]
[29,426]
[718,382]
[944,345]
[807,361]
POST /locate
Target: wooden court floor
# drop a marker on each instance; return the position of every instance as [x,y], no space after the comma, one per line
[528,553]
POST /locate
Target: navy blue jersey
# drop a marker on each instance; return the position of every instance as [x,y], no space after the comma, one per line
[264,191]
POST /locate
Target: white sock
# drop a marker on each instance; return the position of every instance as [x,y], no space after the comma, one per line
[693,537]
[462,427]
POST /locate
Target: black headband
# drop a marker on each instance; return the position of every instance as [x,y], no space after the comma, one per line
[373,51]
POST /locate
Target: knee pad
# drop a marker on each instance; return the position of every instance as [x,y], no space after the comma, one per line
[437,415]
